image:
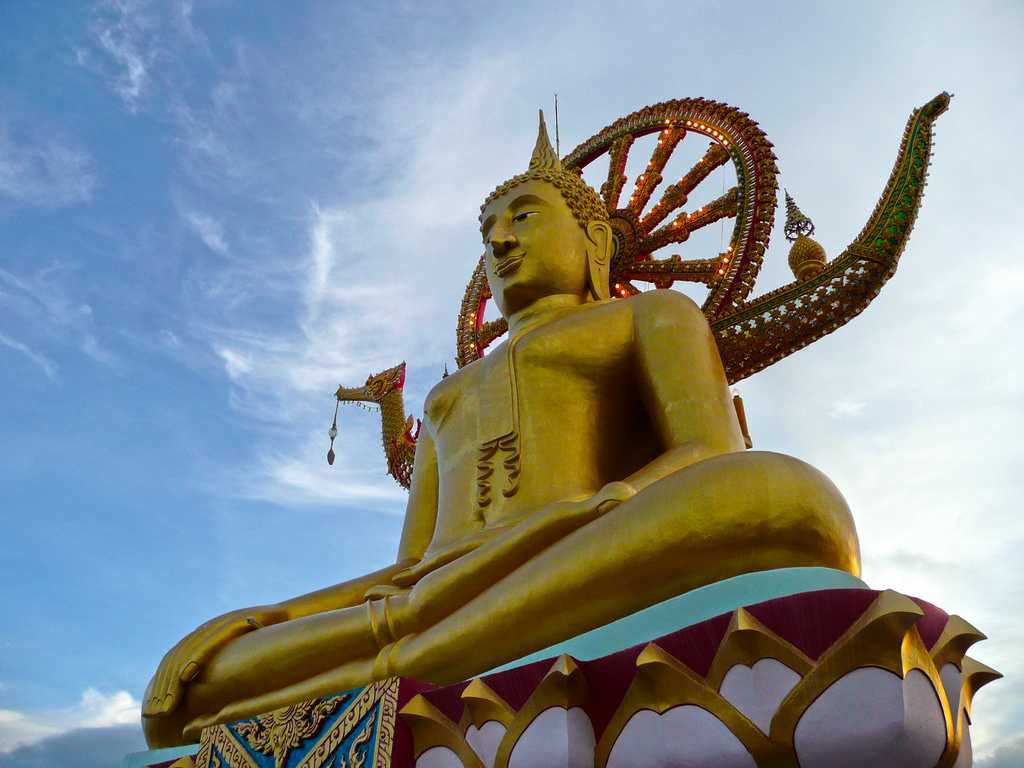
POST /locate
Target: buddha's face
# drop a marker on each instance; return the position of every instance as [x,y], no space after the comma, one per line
[534,247]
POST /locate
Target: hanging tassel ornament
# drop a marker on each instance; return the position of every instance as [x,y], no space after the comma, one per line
[333,433]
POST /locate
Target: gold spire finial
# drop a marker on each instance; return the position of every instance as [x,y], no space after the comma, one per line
[806,257]
[544,156]
[797,224]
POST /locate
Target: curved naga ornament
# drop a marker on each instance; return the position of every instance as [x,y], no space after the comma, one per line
[398,431]
[751,334]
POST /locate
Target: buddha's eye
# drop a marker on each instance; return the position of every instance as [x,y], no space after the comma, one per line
[523,216]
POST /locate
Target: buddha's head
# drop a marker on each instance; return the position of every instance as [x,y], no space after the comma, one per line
[546,232]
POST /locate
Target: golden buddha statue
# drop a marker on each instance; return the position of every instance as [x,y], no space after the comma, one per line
[590,466]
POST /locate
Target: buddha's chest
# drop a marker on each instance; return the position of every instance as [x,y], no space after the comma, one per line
[574,365]
[545,416]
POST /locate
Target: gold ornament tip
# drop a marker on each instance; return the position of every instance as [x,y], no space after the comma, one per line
[544,156]
[938,105]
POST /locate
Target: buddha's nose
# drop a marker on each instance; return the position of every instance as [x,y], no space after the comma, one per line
[502,244]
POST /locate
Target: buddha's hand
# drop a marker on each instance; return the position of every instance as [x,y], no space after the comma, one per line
[184,661]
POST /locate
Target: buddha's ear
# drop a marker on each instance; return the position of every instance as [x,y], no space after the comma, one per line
[600,245]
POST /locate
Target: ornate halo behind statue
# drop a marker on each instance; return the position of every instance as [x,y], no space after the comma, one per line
[751,333]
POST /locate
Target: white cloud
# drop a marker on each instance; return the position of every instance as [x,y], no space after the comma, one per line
[96,710]
[307,479]
[18,729]
[44,171]
[93,710]
[235,363]
[209,230]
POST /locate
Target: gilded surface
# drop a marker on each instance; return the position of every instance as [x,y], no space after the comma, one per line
[618,456]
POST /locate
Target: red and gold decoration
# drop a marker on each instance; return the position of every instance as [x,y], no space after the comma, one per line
[751,333]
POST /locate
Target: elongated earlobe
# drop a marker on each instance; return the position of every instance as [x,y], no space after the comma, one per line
[600,243]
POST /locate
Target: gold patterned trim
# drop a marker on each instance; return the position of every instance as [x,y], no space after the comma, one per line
[220,739]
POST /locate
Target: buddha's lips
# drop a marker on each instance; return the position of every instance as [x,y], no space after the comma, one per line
[508,264]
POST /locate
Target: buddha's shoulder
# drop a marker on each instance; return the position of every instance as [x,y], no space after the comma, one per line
[664,306]
[450,388]
[651,308]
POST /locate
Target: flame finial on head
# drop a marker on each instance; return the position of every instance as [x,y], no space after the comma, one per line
[544,156]
[583,201]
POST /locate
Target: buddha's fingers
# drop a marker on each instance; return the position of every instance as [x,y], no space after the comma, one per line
[186,659]
[157,688]
[166,686]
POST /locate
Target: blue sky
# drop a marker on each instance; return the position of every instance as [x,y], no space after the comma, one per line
[212,213]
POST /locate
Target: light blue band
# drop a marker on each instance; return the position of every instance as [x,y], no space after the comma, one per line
[692,608]
[150,757]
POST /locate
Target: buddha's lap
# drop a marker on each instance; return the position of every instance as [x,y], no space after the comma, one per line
[740,505]
[724,516]
[719,508]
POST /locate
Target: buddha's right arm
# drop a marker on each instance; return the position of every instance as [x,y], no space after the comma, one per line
[186,659]
[418,530]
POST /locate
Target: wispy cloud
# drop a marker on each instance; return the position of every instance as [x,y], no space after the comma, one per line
[303,477]
[1010,755]
[124,37]
[236,364]
[208,229]
[94,709]
[186,24]
[215,130]
[44,172]
[49,366]
[47,302]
